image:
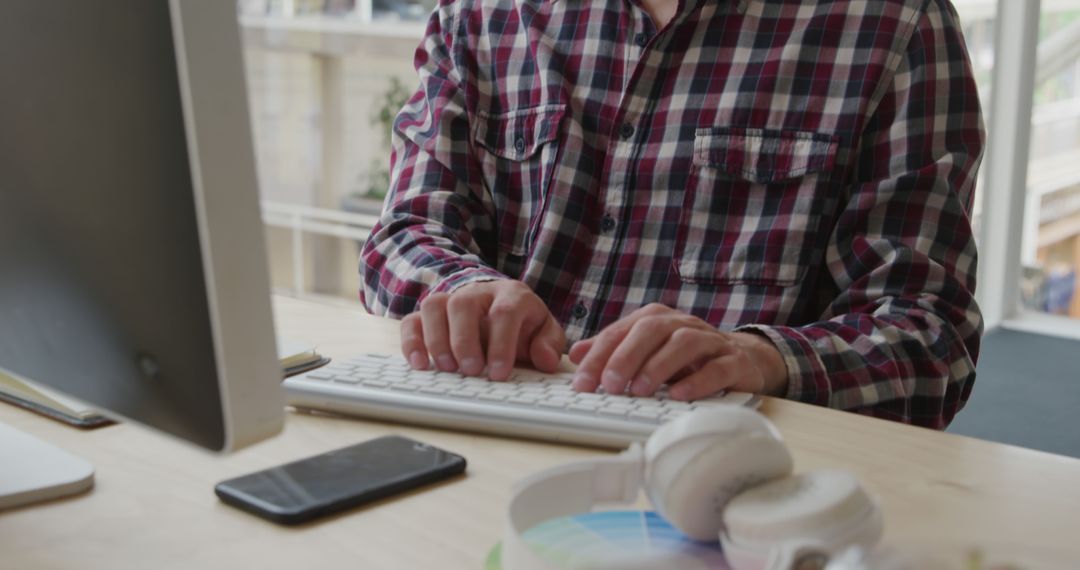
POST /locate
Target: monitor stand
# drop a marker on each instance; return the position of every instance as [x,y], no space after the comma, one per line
[38,471]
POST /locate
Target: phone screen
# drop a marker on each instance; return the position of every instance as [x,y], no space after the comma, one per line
[339,479]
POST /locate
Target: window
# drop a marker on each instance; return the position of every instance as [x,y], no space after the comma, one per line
[1051,241]
[325,79]
[1028,212]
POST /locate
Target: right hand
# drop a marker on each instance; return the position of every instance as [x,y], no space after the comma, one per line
[504,315]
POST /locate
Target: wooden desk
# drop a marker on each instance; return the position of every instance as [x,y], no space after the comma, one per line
[153,505]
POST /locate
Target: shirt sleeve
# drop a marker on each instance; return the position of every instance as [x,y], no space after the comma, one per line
[436,229]
[900,337]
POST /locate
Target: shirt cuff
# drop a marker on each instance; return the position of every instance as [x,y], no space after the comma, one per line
[453,281]
[808,380]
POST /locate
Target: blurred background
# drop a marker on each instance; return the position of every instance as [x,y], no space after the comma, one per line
[326,78]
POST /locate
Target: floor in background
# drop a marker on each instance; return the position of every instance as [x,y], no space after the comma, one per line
[1027,393]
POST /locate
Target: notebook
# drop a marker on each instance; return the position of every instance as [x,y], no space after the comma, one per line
[296,357]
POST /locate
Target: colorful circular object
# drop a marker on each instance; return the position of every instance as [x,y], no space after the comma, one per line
[624,540]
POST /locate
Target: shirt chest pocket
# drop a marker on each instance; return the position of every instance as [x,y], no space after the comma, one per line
[517,152]
[753,205]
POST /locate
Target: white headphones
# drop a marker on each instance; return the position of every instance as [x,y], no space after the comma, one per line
[719,472]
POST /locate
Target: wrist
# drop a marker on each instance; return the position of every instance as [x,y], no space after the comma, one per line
[452,282]
[768,360]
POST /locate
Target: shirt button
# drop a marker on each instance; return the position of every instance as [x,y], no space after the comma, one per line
[641,39]
[519,145]
[580,311]
[626,131]
[607,224]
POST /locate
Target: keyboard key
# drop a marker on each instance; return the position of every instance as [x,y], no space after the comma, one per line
[464,393]
[346,379]
[667,417]
[531,388]
[646,415]
[434,390]
[375,383]
[404,386]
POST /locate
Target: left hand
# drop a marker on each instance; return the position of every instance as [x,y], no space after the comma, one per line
[656,344]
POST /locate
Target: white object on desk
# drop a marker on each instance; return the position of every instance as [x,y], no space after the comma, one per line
[36,471]
[531,405]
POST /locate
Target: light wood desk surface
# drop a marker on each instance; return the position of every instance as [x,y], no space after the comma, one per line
[153,505]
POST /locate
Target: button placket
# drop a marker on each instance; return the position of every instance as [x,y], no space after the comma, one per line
[623,140]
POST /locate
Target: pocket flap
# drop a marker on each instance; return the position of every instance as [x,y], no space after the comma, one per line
[763,156]
[519,134]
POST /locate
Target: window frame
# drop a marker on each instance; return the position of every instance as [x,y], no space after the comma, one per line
[1004,191]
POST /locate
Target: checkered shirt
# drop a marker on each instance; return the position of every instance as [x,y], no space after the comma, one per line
[804,169]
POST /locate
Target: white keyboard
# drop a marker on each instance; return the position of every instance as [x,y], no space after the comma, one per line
[530,405]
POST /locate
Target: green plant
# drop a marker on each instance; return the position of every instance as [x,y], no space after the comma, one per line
[390,103]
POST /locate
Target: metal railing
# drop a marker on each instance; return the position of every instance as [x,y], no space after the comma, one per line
[300,220]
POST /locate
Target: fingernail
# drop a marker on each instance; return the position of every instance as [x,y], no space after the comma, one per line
[418,360]
[471,365]
[613,382]
[640,386]
[581,382]
[446,362]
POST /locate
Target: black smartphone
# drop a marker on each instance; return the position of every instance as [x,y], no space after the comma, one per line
[337,480]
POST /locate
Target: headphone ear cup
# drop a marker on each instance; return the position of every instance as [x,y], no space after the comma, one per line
[824,510]
[691,482]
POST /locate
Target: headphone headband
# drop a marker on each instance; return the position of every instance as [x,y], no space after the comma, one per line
[563,491]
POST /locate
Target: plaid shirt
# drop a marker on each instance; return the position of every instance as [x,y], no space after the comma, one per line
[800,168]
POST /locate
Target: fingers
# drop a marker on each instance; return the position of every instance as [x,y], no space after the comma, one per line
[716,375]
[412,342]
[687,350]
[580,349]
[464,314]
[436,331]
[587,378]
[592,369]
[547,345]
[505,321]
[646,336]
[488,324]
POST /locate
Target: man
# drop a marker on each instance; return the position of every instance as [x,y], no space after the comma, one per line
[761,195]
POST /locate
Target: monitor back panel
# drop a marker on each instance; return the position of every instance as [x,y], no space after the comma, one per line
[102,289]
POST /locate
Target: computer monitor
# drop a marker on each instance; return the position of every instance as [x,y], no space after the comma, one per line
[133,273]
